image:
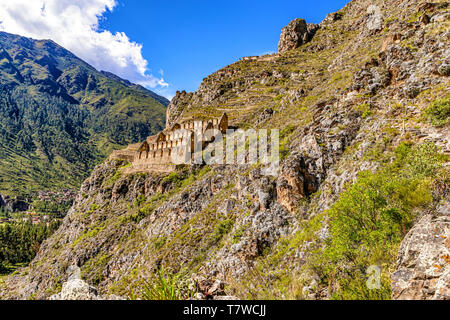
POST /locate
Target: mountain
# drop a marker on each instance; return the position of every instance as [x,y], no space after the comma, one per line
[359,209]
[59,116]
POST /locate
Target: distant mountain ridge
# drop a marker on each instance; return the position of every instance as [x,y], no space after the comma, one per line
[59,116]
[129,84]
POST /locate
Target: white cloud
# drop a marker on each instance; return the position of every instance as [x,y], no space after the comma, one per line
[74,24]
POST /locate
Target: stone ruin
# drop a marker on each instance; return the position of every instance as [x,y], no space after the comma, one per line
[172,146]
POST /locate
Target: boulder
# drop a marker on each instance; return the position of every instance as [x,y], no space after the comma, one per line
[444,69]
[371,78]
[423,264]
[265,192]
[296,33]
[291,185]
[331,17]
[210,288]
[299,178]
[176,106]
[375,18]
[77,289]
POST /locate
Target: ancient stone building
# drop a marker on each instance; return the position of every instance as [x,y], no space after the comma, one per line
[172,146]
[249,58]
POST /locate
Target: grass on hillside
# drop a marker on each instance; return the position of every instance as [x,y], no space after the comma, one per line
[366,226]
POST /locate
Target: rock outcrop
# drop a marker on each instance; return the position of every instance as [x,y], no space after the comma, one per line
[77,289]
[176,107]
[17,204]
[2,202]
[330,18]
[423,265]
[298,179]
[375,18]
[296,33]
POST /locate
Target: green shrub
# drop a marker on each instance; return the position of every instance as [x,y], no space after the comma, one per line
[424,160]
[240,232]
[93,269]
[126,165]
[365,110]
[90,233]
[113,179]
[159,243]
[164,285]
[439,112]
[285,139]
[174,177]
[370,219]
[222,228]
[140,200]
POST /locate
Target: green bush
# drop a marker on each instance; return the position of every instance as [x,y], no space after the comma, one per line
[20,242]
[370,219]
[159,242]
[285,139]
[423,161]
[365,109]
[164,285]
[113,179]
[222,229]
[174,178]
[439,112]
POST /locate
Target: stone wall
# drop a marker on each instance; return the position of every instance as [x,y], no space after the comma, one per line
[145,167]
[162,152]
[122,155]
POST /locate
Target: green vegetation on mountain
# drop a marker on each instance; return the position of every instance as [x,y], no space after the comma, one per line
[20,242]
[164,285]
[370,219]
[59,117]
[439,112]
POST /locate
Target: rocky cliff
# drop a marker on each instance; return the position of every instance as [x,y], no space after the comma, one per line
[423,264]
[357,212]
[296,33]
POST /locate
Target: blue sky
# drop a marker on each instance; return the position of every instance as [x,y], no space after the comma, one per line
[189,40]
[163,45]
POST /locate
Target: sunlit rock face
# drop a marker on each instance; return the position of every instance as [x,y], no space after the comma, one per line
[296,33]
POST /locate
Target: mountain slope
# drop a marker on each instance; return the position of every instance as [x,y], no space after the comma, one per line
[59,116]
[363,110]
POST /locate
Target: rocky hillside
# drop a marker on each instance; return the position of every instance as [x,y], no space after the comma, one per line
[360,209]
[59,117]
